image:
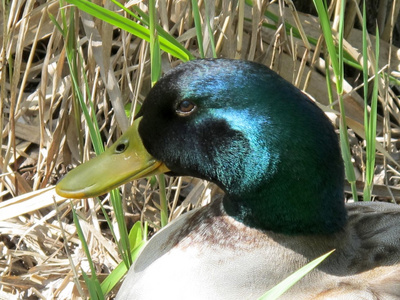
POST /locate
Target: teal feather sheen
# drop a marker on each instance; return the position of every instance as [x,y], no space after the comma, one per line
[257,159]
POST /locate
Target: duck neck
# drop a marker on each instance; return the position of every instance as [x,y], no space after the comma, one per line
[290,203]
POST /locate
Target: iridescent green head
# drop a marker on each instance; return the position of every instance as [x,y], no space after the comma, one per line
[265,143]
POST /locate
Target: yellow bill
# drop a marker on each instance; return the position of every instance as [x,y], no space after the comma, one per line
[124,161]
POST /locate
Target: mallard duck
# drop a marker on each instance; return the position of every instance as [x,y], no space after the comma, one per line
[276,156]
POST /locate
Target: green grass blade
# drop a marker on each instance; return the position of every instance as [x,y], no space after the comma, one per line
[72,57]
[93,292]
[327,32]
[367,191]
[123,243]
[374,105]
[286,284]
[161,32]
[123,249]
[365,67]
[131,27]
[197,24]
[58,26]
[337,62]
[163,200]
[136,235]
[344,138]
[370,118]
[340,75]
[92,282]
[116,275]
[136,243]
[145,231]
[345,146]
[328,83]
[155,53]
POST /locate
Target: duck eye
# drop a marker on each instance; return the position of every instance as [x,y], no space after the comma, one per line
[185,108]
[121,147]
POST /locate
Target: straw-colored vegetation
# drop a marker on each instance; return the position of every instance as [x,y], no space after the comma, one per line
[44,133]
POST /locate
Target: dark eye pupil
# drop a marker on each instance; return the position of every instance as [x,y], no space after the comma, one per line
[186,106]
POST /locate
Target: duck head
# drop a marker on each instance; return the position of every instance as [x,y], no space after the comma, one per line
[241,126]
